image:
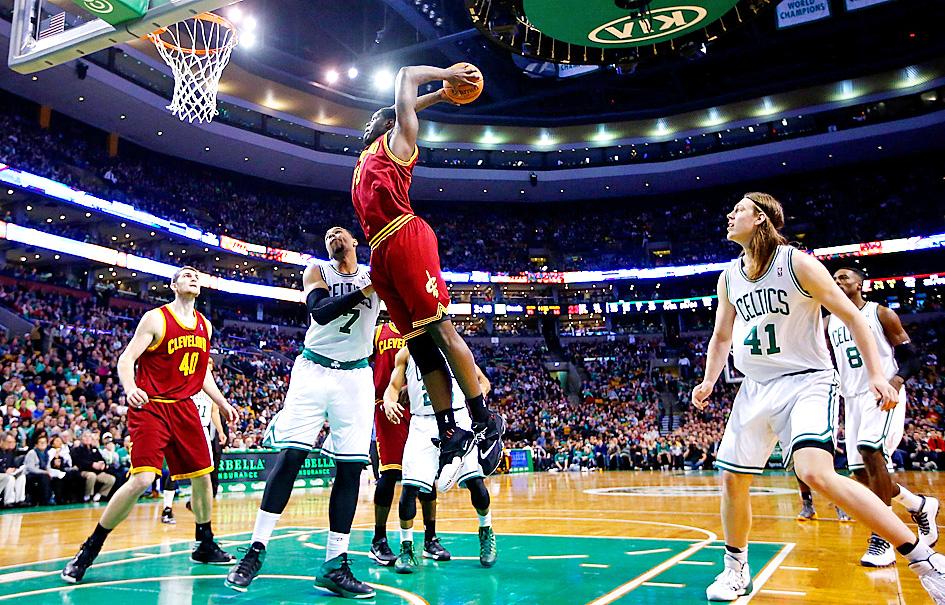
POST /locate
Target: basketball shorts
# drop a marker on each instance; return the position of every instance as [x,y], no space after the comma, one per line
[316,393]
[391,438]
[789,410]
[169,431]
[405,272]
[866,424]
[422,458]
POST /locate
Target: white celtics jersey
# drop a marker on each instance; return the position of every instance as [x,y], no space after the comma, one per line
[204,407]
[351,336]
[420,404]
[854,379]
[778,327]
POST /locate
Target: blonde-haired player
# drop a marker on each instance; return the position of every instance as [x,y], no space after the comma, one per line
[769,314]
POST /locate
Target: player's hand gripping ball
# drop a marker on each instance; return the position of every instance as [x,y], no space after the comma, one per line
[464,83]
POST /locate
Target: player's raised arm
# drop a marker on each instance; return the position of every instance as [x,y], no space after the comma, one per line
[398,378]
[814,278]
[323,308]
[403,138]
[907,358]
[149,332]
[719,345]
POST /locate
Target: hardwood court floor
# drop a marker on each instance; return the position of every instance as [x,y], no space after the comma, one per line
[563,538]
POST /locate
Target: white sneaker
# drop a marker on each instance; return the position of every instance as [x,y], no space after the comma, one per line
[931,574]
[733,582]
[925,518]
[879,553]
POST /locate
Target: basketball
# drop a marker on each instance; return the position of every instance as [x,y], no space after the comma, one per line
[465,93]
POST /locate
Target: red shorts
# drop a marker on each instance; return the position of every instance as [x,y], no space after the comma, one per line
[405,272]
[172,432]
[391,438]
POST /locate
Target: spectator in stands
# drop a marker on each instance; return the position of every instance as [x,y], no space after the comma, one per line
[12,474]
[92,466]
[39,476]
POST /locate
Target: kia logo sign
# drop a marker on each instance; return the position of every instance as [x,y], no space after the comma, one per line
[659,23]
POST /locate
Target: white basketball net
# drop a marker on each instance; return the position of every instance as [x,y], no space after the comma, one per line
[197,50]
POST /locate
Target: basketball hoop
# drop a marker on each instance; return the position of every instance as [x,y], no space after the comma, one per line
[197,50]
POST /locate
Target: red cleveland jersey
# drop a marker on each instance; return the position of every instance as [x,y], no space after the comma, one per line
[174,368]
[387,341]
[380,187]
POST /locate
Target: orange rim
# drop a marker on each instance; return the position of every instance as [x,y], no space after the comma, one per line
[212,18]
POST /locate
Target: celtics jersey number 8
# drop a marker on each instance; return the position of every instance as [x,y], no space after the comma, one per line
[778,327]
[854,379]
[351,336]
[420,404]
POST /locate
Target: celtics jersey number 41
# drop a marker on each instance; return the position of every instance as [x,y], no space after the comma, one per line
[778,327]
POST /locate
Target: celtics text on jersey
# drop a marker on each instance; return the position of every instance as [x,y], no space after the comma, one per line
[778,328]
[350,337]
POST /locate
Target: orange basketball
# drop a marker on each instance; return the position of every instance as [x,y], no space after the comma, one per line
[464,93]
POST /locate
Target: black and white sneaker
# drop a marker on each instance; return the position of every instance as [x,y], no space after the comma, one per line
[168,516]
[381,553]
[243,573]
[489,440]
[210,553]
[76,568]
[453,448]
[925,518]
[336,576]
[432,549]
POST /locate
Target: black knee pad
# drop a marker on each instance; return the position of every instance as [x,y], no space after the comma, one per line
[478,493]
[408,502]
[426,354]
[384,492]
[348,472]
[427,496]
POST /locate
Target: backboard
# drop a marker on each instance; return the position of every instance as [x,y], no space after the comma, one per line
[45,33]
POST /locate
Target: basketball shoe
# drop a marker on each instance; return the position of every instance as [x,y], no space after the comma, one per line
[931,574]
[489,440]
[842,516]
[432,549]
[406,561]
[168,516]
[243,573]
[733,582]
[335,575]
[879,553]
[807,512]
[381,553]
[925,518]
[80,563]
[487,550]
[453,448]
[210,553]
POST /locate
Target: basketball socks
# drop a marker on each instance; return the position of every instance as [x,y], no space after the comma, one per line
[169,498]
[906,498]
[203,533]
[337,545]
[739,554]
[445,421]
[98,535]
[406,534]
[485,520]
[807,498]
[478,409]
[429,529]
[265,524]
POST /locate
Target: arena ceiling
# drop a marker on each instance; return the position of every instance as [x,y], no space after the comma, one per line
[311,46]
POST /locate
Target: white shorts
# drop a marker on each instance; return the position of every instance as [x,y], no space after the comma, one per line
[788,410]
[344,397]
[866,424]
[422,459]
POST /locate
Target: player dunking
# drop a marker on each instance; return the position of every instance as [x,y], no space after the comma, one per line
[331,378]
[391,439]
[420,461]
[873,433]
[405,269]
[769,309]
[160,370]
